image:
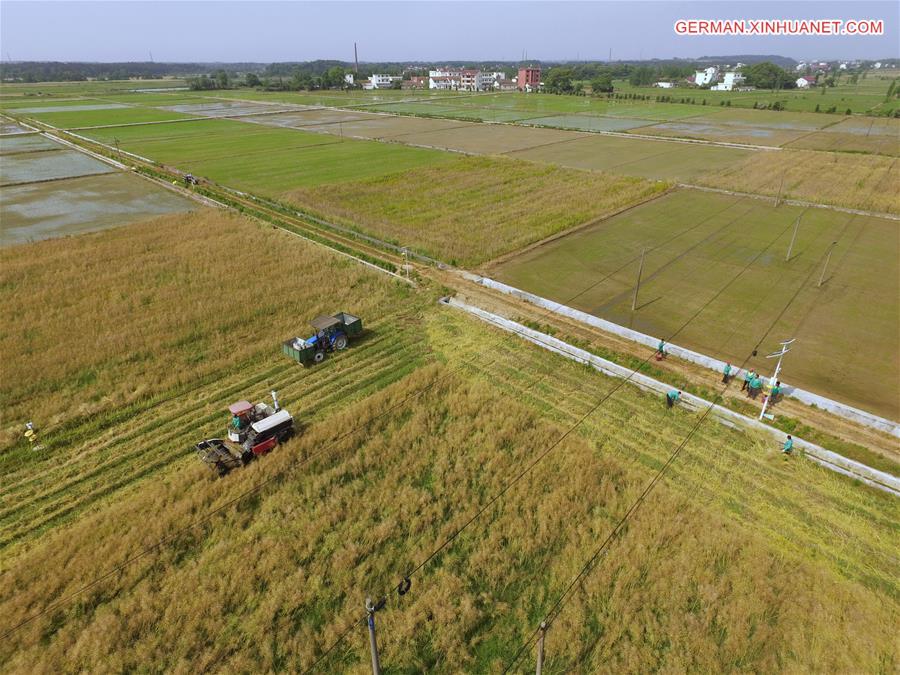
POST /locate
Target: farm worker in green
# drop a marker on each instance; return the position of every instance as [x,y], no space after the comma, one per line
[236,422]
[748,375]
[788,446]
[755,386]
[726,373]
[661,349]
[672,398]
[776,390]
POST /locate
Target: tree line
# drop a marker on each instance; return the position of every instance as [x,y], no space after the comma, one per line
[600,77]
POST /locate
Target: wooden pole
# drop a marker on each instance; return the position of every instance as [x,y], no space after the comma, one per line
[540,649]
[373,643]
[793,238]
[825,266]
[637,286]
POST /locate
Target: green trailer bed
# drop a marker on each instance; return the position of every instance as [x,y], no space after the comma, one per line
[301,351]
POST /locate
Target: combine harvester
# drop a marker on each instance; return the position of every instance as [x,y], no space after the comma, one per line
[333,333]
[254,430]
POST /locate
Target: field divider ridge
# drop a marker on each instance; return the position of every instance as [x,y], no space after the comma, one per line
[211,195]
[792,202]
[830,460]
[809,398]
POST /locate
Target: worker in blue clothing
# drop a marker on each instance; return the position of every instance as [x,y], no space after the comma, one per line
[788,446]
[672,398]
[748,375]
[726,373]
[661,350]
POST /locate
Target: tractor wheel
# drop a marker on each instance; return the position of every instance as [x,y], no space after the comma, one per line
[340,342]
[318,357]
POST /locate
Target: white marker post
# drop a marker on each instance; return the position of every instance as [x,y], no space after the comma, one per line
[780,354]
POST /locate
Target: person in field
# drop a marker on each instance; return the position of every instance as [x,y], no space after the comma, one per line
[726,373]
[672,398]
[788,446]
[775,393]
[661,350]
[754,387]
[748,375]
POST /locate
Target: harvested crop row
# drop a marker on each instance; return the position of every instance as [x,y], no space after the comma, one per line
[304,553]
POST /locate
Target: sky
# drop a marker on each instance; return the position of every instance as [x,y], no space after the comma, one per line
[210,31]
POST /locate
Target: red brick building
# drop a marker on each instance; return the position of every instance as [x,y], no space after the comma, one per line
[529,79]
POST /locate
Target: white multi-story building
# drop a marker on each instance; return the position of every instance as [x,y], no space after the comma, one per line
[348,79]
[467,79]
[382,81]
[705,77]
[443,79]
[488,81]
[731,80]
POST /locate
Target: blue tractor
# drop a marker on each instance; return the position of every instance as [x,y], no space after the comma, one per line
[333,333]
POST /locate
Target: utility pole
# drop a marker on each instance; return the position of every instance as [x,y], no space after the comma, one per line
[356,59]
[780,188]
[780,354]
[793,238]
[540,649]
[825,266]
[637,286]
[373,643]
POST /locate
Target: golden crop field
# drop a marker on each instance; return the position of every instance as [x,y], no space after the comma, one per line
[484,468]
[103,320]
[856,181]
[476,208]
[727,566]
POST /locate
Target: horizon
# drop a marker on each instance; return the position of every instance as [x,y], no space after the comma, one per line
[285,32]
[705,57]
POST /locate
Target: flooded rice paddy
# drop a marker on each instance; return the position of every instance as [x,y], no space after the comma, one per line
[48,190]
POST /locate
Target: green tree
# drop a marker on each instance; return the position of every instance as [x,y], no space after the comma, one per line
[252,80]
[602,83]
[642,76]
[559,81]
[767,75]
[222,79]
[333,78]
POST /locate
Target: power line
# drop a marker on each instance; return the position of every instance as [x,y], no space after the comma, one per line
[256,488]
[259,486]
[551,615]
[403,586]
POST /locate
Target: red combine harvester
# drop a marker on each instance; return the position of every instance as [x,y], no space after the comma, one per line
[254,430]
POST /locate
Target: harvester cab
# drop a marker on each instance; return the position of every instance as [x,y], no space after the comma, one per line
[252,430]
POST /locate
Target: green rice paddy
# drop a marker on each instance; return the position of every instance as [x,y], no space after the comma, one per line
[697,243]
